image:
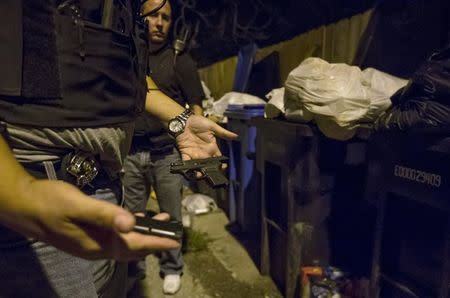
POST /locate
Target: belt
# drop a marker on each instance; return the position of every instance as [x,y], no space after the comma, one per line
[80,169]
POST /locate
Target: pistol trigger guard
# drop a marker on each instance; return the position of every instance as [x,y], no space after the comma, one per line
[190,175]
[185,174]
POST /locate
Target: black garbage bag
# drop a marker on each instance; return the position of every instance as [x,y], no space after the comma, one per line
[424,103]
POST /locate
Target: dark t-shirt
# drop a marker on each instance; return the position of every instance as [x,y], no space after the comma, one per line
[177,78]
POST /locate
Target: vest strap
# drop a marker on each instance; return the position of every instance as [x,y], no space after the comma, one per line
[11,47]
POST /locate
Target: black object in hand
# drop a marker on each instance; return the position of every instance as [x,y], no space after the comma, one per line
[209,167]
[167,229]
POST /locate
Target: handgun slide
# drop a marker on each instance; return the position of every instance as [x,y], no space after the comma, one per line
[210,168]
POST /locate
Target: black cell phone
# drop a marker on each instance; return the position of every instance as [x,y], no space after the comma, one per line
[150,226]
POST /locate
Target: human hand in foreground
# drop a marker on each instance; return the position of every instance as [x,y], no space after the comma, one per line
[59,214]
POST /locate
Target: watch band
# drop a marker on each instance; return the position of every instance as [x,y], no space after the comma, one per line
[185,115]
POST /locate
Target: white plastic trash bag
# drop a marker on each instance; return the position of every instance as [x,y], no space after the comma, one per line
[206,90]
[208,101]
[381,81]
[337,94]
[221,105]
[275,105]
[198,203]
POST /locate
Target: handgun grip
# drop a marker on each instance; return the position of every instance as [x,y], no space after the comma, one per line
[188,174]
[215,177]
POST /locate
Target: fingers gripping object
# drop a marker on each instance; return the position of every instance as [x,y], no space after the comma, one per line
[208,167]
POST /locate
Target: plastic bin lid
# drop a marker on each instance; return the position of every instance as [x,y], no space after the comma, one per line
[234,107]
[244,111]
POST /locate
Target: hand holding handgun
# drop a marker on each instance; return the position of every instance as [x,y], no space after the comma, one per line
[210,168]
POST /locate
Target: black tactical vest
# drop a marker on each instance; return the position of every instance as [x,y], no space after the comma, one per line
[61,65]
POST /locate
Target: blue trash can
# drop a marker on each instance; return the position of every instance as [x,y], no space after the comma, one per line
[243,195]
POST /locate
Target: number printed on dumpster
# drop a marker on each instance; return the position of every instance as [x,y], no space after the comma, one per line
[419,176]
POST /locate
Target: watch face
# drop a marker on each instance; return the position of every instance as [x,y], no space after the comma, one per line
[175,126]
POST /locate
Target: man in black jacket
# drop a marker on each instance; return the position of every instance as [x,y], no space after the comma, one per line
[153,149]
[66,114]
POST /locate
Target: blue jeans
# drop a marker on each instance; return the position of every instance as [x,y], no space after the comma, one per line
[36,269]
[143,170]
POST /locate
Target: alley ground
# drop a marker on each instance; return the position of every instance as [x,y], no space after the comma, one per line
[217,265]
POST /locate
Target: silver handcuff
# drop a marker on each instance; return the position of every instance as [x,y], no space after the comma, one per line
[83,167]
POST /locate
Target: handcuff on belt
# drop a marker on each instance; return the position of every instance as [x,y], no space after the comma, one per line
[83,167]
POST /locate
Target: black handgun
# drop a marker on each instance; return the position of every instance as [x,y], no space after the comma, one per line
[209,167]
[150,226]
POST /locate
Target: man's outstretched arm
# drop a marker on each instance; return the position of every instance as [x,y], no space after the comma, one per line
[59,214]
[199,137]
